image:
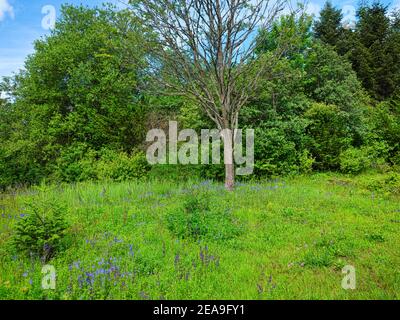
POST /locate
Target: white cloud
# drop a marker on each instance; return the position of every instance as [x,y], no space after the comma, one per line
[349,16]
[6,9]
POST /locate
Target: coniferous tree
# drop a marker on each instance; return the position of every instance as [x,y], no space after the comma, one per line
[329,27]
[372,54]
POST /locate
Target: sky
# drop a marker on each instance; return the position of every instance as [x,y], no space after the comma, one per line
[24,21]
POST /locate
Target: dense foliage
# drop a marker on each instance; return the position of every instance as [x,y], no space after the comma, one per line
[82,107]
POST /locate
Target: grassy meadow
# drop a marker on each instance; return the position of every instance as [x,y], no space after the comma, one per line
[279,239]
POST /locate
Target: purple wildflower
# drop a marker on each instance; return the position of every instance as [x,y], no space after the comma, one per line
[177,258]
[116,240]
[131,252]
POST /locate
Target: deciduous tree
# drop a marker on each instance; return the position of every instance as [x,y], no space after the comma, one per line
[206,50]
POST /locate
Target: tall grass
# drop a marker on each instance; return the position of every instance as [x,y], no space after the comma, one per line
[281,239]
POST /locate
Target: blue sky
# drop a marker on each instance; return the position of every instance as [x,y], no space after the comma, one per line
[21,24]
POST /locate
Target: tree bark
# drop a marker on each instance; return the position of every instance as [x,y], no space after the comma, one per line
[228,137]
[229,177]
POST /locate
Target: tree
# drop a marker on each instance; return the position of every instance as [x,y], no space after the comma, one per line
[79,93]
[206,51]
[330,79]
[313,77]
[330,132]
[375,50]
[329,26]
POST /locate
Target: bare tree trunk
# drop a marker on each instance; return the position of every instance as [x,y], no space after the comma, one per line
[228,137]
[229,177]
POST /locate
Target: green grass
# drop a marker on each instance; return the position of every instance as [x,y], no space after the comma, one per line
[286,239]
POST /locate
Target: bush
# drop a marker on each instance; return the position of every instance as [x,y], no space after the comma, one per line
[79,163]
[120,166]
[76,163]
[385,126]
[277,147]
[41,231]
[196,220]
[306,162]
[389,184]
[330,134]
[355,161]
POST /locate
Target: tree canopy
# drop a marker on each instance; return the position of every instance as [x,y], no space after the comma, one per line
[318,95]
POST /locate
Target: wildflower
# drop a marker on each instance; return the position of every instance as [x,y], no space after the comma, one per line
[101,271]
[116,240]
[177,258]
[89,278]
[201,255]
[131,252]
[25,274]
[80,281]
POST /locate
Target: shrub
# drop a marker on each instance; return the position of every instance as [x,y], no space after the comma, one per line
[389,183]
[396,159]
[306,162]
[384,120]
[41,231]
[354,161]
[76,163]
[197,220]
[330,134]
[276,149]
[120,166]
